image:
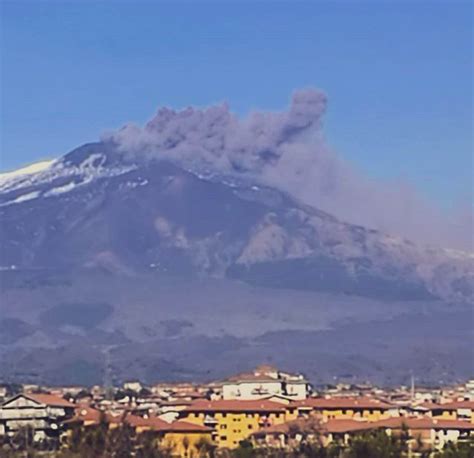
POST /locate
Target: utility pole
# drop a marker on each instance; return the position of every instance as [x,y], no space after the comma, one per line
[107,378]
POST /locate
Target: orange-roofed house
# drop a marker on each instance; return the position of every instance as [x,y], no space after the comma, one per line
[427,431]
[187,439]
[312,429]
[141,424]
[370,409]
[85,416]
[234,421]
[463,410]
[44,413]
[182,438]
[288,434]
[438,410]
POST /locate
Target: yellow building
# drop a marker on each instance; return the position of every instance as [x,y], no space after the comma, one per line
[456,410]
[188,440]
[369,409]
[440,411]
[183,439]
[234,421]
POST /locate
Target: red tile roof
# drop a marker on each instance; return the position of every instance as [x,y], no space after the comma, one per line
[347,426]
[458,405]
[154,423]
[342,403]
[335,426]
[88,414]
[185,427]
[308,425]
[235,406]
[285,428]
[424,423]
[464,425]
[50,400]
[409,422]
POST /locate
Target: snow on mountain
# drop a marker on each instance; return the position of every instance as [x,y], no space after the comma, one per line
[51,178]
[131,246]
[27,170]
[160,214]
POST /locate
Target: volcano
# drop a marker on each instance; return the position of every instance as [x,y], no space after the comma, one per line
[166,271]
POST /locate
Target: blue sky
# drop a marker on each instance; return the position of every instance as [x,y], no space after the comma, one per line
[398,75]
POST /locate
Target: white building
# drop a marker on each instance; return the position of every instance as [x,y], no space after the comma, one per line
[133,386]
[470,389]
[265,382]
[42,413]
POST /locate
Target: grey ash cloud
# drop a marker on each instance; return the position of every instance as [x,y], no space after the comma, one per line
[288,150]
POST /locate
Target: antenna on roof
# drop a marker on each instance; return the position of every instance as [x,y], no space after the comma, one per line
[412,389]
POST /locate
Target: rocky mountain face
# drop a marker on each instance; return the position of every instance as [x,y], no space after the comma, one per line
[87,209]
[94,214]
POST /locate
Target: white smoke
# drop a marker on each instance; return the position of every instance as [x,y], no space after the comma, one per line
[287,150]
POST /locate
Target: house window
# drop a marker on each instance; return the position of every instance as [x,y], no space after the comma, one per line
[223,426]
[250,426]
[223,438]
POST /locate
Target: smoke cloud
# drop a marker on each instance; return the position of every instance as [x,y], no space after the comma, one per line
[287,150]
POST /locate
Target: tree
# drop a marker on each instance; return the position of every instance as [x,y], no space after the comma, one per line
[205,448]
[119,443]
[23,439]
[244,450]
[318,451]
[458,450]
[376,444]
[148,446]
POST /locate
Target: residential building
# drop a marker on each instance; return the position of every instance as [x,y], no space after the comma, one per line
[263,382]
[427,432]
[169,410]
[346,407]
[187,439]
[183,438]
[43,413]
[464,410]
[234,421]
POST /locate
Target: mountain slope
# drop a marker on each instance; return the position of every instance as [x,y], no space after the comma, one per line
[182,273]
[92,209]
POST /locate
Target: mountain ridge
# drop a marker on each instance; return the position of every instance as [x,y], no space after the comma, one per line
[274,226]
[169,272]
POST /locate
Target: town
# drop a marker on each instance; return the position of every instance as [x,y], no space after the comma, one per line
[265,412]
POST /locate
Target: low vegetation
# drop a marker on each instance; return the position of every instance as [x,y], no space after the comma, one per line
[123,442]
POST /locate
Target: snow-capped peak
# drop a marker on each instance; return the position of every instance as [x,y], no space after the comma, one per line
[47,173]
[30,169]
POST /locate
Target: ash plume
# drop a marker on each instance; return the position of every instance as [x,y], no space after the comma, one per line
[288,150]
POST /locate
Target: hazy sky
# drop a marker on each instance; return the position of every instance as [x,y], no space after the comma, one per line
[398,75]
